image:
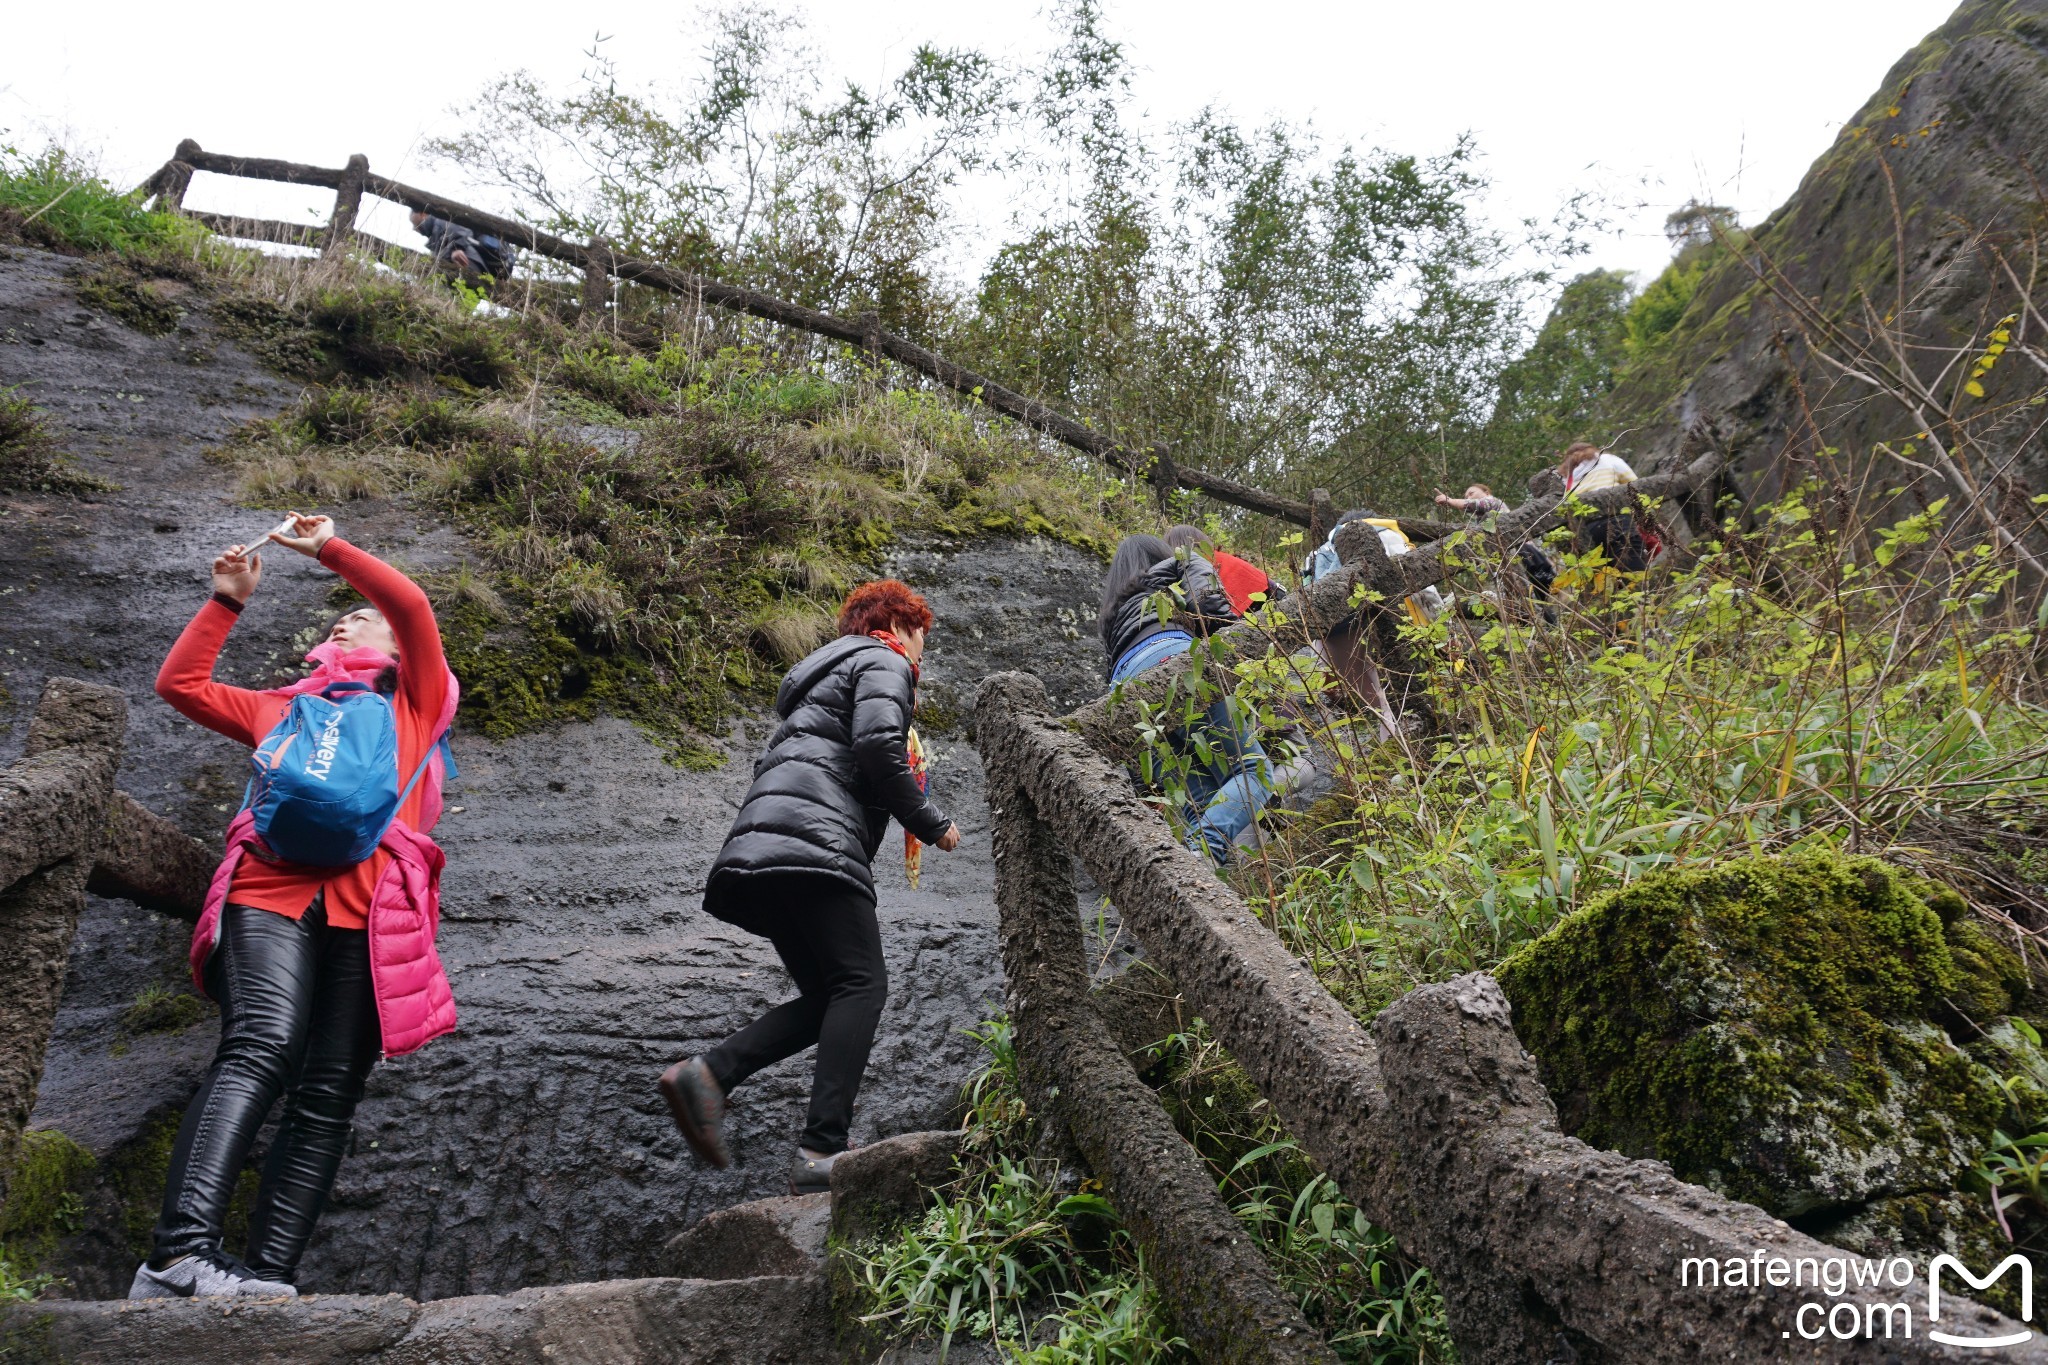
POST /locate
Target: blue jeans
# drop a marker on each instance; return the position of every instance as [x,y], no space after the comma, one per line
[1225,794]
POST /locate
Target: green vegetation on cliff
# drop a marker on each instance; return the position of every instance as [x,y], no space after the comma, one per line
[657,527]
[660,513]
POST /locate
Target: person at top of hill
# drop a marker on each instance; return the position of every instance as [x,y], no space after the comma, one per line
[1478,501]
[796,869]
[1585,468]
[284,947]
[1226,791]
[1244,583]
[449,242]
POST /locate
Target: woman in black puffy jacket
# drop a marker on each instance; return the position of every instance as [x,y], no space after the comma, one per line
[1226,791]
[795,869]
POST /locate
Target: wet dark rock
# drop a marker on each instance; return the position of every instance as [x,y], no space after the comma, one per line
[1001,605]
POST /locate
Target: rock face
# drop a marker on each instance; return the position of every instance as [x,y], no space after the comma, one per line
[1785,1031]
[529,1148]
[1957,123]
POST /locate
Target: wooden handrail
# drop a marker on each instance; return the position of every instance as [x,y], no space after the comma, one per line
[1156,464]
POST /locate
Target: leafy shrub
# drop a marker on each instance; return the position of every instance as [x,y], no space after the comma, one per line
[1048,1276]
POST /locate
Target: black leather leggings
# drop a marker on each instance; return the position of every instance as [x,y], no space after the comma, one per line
[298,1020]
[827,936]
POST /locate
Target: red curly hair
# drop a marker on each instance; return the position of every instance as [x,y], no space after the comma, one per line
[883,604]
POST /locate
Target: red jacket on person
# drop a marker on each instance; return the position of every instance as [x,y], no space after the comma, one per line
[395,893]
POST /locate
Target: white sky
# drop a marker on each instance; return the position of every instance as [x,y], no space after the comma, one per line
[1648,103]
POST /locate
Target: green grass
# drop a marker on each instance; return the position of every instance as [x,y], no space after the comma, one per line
[1045,1273]
[52,200]
[658,531]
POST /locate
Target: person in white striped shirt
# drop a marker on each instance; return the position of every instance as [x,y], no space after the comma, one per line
[1586,468]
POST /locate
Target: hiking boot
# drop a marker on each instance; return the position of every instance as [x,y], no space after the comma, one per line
[205,1274]
[811,1174]
[698,1107]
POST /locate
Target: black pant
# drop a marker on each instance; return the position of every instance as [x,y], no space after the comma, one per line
[826,934]
[298,1019]
[1617,535]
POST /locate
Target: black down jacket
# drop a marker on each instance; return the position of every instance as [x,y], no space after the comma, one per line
[1200,602]
[833,773]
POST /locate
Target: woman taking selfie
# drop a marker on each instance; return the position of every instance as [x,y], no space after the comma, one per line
[328,856]
[796,869]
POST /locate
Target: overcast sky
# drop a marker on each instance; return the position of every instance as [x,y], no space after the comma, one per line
[1649,104]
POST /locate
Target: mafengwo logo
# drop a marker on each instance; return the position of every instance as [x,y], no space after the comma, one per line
[1934,1270]
[1847,1319]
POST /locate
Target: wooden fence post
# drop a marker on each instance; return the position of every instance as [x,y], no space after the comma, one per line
[597,283]
[348,200]
[871,338]
[1322,518]
[1211,1277]
[177,177]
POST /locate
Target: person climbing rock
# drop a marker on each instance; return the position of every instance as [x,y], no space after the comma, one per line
[283,943]
[796,870]
[1585,468]
[1227,789]
[1480,501]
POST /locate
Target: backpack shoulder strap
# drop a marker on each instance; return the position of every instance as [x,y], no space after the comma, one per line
[438,746]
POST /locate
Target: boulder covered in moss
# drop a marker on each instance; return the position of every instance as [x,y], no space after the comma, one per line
[1788,1031]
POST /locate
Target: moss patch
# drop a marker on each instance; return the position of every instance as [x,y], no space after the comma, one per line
[158,1010]
[1769,1027]
[45,1199]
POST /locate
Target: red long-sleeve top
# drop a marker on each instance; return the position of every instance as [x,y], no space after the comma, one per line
[245,716]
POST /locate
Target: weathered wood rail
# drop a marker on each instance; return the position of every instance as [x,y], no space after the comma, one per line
[1432,1119]
[65,830]
[600,264]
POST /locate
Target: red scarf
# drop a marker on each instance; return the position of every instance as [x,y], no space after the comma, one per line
[889,638]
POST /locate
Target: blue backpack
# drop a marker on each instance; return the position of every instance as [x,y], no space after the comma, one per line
[325,786]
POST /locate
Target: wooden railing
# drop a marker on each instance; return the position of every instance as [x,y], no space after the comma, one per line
[600,264]
[1432,1119]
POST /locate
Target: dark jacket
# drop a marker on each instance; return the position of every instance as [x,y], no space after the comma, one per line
[833,773]
[1137,620]
[444,239]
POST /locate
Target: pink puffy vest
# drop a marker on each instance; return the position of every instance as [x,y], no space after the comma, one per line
[415,1003]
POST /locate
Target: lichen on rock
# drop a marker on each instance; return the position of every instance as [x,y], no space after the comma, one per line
[1789,1031]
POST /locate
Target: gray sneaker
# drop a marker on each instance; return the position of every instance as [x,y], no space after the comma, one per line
[205,1274]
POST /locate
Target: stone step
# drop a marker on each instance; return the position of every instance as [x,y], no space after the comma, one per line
[783,1320]
[748,1288]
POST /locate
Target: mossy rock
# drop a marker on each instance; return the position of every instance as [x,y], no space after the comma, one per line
[1771,1027]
